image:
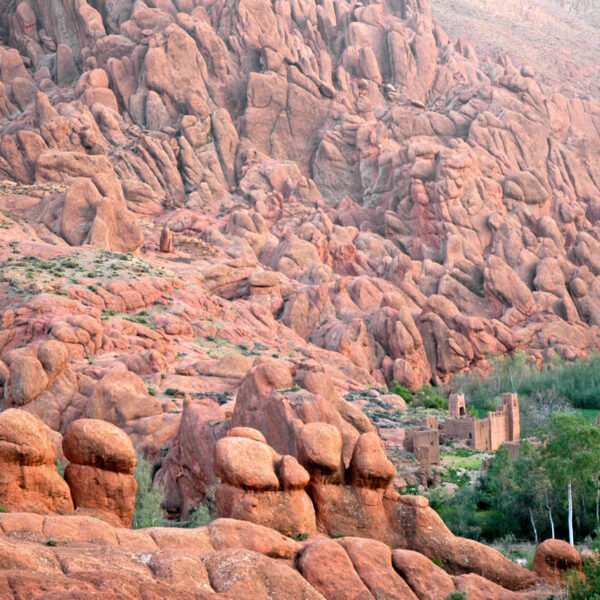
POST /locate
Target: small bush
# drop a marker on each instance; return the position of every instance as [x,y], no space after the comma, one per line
[201,516]
[430,397]
[587,587]
[400,390]
[456,595]
[149,498]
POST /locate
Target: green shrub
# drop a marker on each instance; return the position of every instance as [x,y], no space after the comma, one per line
[149,498]
[430,397]
[201,516]
[400,390]
[587,588]
[456,595]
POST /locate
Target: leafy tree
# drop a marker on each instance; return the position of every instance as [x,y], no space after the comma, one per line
[571,457]
[458,510]
[148,499]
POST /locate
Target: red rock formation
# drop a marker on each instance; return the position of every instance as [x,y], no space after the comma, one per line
[554,558]
[356,200]
[260,486]
[29,481]
[100,473]
[346,474]
[78,555]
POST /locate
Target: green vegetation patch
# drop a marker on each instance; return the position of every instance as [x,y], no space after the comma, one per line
[29,276]
[469,463]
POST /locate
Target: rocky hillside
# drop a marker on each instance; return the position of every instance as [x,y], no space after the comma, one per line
[227,214]
[345,178]
[559,37]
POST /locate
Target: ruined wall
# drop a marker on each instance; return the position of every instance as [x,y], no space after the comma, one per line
[500,426]
[511,405]
[481,435]
[460,429]
[428,441]
[498,430]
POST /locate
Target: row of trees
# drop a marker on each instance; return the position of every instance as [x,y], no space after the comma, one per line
[551,490]
[577,382]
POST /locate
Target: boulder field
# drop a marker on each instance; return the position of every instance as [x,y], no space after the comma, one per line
[217,218]
[341,540]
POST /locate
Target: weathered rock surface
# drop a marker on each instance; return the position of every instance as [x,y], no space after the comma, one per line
[100,472]
[260,486]
[554,558]
[29,480]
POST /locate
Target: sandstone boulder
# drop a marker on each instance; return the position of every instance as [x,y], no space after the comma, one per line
[29,480]
[100,473]
[262,487]
[554,558]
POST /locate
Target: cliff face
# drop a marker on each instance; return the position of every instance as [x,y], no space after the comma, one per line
[420,212]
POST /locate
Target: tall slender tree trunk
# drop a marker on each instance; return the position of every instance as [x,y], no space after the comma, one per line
[597,507]
[570,493]
[551,519]
[535,533]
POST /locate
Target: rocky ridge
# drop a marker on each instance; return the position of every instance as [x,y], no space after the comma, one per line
[346,168]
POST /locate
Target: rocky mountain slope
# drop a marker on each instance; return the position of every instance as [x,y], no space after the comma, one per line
[559,37]
[228,214]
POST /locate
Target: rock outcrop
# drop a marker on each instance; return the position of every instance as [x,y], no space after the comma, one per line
[336,479]
[100,472]
[554,559]
[29,480]
[78,555]
[348,153]
[260,486]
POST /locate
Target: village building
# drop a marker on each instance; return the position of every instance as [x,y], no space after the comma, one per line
[500,426]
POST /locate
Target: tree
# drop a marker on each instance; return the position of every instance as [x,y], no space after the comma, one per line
[571,457]
[513,494]
[148,499]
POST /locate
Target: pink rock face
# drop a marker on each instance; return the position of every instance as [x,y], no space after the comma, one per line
[216,219]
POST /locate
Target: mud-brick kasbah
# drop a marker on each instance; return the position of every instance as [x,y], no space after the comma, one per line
[499,427]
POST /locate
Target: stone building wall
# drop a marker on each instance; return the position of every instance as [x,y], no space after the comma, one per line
[500,426]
